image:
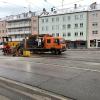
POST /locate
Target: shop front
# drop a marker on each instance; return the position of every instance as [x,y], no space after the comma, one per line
[76,44]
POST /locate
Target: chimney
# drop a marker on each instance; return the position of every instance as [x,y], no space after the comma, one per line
[75,6]
[44,10]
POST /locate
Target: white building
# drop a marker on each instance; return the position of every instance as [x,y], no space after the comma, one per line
[94,26]
[20,26]
[70,25]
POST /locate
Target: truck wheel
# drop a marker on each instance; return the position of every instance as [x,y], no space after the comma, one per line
[53,51]
[59,52]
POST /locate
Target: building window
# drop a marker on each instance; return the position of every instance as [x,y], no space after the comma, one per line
[68,34]
[94,14]
[53,34]
[57,19]
[76,33]
[76,25]
[76,17]
[69,26]
[64,18]
[94,24]
[64,34]
[25,14]
[81,33]
[81,16]
[42,20]
[81,24]
[46,20]
[21,35]
[57,27]
[69,18]
[2,31]
[15,36]
[95,32]
[53,19]
[53,27]
[57,34]
[64,27]
[19,16]
[42,28]
[93,43]
[46,28]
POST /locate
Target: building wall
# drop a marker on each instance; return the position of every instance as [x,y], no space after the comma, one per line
[35,25]
[65,25]
[93,29]
[19,26]
[2,29]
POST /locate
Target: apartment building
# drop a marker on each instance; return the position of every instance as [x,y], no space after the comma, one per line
[35,25]
[72,26]
[20,26]
[93,36]
[80,26]
[2,29]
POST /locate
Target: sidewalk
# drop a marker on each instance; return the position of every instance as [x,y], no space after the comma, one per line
[85,49]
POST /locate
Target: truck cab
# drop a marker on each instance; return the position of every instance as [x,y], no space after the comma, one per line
[55,44]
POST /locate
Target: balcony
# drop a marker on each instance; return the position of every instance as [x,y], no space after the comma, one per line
[21,32]
[19,25]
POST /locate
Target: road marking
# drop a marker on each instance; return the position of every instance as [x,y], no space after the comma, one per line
[63,66]
[38,94]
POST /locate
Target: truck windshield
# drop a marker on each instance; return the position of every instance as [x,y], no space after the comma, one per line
[62,41]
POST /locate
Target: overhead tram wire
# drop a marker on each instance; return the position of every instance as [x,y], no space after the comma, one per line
[31,3]
[13,5]
[47,1]
[68,3]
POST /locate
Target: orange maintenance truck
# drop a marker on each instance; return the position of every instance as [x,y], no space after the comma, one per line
[44,43]
[40,44]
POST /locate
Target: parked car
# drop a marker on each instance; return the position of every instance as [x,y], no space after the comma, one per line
[1,45]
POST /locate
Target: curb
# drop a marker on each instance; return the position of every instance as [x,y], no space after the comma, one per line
[30,91]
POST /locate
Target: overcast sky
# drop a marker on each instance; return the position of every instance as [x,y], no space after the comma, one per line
[12,7]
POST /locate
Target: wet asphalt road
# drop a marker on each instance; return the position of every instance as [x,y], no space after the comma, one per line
[75,74]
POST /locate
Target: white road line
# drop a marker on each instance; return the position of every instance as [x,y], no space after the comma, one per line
[63,66]
[38,94]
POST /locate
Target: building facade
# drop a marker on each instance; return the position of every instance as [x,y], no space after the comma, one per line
[71,26]
[79,26]
[94,28]
[35,25]
[20,26]
[2,29]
